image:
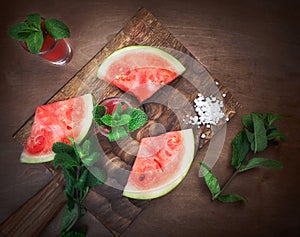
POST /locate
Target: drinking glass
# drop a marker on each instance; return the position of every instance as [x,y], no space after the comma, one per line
[111,104]
[55,51]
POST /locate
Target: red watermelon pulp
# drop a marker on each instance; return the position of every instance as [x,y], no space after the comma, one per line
[56,122]
[161,164]
[140,70]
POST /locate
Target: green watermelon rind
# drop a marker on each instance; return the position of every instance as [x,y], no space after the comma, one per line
[88,119]
[177,66]
[188,157]
[86,124]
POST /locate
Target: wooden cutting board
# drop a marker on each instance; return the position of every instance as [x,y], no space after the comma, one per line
[169,107]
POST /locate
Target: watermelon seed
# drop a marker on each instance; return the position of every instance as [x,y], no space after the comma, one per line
[159,164]
[142,177]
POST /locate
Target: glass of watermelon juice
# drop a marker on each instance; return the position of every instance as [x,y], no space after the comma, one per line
[55,51]
[111,105]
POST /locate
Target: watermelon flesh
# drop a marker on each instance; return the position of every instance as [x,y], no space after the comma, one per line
[161,164]
[140,70]
[56,122]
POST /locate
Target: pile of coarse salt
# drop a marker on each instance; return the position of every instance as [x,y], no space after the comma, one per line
[209,111]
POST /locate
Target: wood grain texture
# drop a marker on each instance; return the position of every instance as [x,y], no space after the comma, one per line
[112,210]
[167,108]
[31,218]
[251,46]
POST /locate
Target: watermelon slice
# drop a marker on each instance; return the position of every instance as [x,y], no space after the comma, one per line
[161,164]
[140,70]
[54,123]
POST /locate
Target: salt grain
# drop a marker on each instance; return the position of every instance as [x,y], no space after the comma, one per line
[209,110]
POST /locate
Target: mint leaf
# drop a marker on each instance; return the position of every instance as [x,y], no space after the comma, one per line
[230,198]
[107,120]
[138,119]
[96,176]
[210,180]
[260,162]
[60,147]
[123,120]
[117,113]
[80,185]
[57,28]
[91,159]
[78,152]
[69,218]
[81,197]
[250,136]
[128,111]
[70,174]
[117,133]
[19,31]
[34,20]
[99,174]
[118,110]
[70,193]
[273,133]
[85,148]
[23,36]
[98,112]
[240,149]
[64,159]
[71,202]
[270,118]
[260,138]
[248,122]
[93,181]
[35,41]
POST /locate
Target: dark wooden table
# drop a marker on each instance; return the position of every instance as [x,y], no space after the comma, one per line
[252,47]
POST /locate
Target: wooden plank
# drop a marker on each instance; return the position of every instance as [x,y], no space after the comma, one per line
[167,107]
[114,211]
[31,218]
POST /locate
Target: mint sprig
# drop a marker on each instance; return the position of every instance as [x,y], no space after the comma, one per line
[121,122]
[57,28]
[76,161]
[32,32]
[256,136]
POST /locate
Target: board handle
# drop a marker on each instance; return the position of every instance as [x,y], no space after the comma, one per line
[34,215]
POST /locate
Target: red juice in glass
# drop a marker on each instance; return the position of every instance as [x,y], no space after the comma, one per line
[56,51]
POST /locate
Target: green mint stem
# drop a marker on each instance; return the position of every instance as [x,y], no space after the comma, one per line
[77,191]
[226,184]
